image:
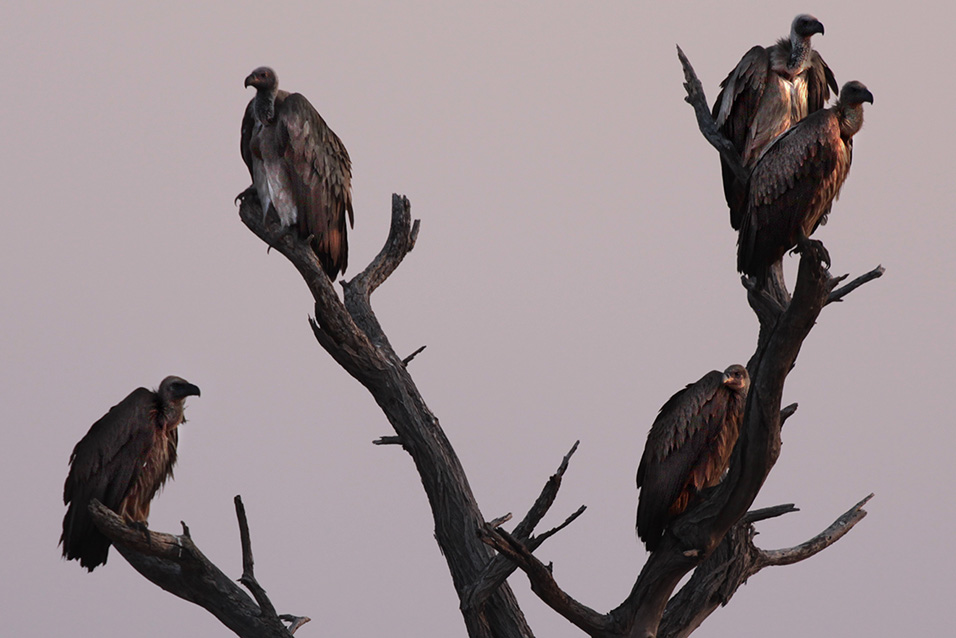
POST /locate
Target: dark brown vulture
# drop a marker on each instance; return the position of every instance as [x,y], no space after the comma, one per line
[299,167]
[122,461]
[769,90]
[688,448]
[794,183]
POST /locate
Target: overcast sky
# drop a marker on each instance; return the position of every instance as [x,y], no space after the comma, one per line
[575,267]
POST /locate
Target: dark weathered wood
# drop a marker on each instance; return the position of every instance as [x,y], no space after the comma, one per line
[735,560]
[352,335]
[499,568]
[175,564]
[694,537]
[843,291]
[705,120]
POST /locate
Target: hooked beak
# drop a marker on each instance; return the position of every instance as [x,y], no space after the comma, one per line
[188,389]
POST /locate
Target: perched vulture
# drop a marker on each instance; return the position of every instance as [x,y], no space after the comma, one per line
[794,183]
[122,461]
[299,167]
[769,90]
[688,448]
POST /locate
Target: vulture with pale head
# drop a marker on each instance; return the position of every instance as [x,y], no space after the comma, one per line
[122,461]
[770,90]
[688,448]
[795,181]
[299,168]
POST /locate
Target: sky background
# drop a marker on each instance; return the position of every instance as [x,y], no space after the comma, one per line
[575,267]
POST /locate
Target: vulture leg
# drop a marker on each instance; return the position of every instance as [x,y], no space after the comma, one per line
[814,246]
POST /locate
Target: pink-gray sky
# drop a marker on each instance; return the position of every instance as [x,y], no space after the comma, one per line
[575,267]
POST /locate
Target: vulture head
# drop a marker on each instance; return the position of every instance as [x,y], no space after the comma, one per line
[854,93]
[264,79]
[736,378]
[804,26]
[175,389]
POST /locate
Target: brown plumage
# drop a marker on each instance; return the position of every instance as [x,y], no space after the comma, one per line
[794,183]
[122,461]
[770,90]
[688,448]
[299,167]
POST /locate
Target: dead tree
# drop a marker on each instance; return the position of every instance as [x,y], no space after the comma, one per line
[714,538]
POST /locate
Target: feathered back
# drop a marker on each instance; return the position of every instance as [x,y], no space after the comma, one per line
[688,448]
[103,465]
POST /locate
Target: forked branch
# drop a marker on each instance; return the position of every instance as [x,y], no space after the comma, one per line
[175,564]
[736,560]
[352,335]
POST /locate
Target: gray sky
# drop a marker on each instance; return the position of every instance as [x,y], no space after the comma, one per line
[575,267]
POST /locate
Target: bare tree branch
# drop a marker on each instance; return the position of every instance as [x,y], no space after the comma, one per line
[175,564]
[544,585]
[705,121]
[499,568]
[248,577]
[785,321]
[351,334]
[736,560]
[408,359]
[818,543]
[843,291]
[754,516]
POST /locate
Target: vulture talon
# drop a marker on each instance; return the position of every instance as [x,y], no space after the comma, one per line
[815,248]
[144,528]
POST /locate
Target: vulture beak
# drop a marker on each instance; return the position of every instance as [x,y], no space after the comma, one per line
[726,379]
[187,390]
[248,81]
[804,26]
[868,97]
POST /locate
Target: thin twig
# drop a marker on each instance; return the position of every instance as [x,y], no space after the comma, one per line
[554,530]
[408,359]
[818,543]
[843,291]
[768,512]
[500,567]
[705,121]
[248,577]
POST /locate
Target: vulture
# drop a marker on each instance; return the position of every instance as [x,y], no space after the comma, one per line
[688,448]
[122,461]
[794,183]
[299,168]
[770,90]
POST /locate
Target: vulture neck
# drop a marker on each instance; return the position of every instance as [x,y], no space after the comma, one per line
[797,51]
[851,119]
[265,105]
[172,414]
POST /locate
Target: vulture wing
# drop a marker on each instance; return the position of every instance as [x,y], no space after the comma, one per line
[735,112]
[319,173]
[676,462]
[791,190]
[245,139]
[103,465]
[820,80]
